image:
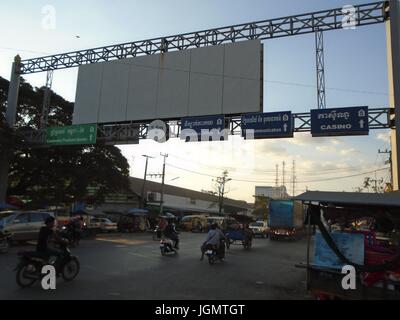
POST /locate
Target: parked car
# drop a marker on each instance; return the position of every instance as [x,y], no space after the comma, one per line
[24,225]
[260,228]
[106,225]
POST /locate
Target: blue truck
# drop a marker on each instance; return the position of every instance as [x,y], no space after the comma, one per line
[285,219]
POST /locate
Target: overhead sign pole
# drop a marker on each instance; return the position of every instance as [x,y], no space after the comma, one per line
[393,49]
[11,113]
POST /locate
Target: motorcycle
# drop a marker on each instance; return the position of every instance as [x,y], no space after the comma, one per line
[5,241]
[167,247]
[214,254]
[29,268]
[67,233]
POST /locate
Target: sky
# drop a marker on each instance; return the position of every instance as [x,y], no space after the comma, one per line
[355,68]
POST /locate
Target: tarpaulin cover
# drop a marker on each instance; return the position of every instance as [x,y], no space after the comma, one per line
[281,214]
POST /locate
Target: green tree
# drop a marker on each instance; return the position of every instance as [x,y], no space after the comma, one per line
[59,175]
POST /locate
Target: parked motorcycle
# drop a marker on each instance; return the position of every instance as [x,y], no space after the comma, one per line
[167,247]
[29,268]
[214,254]
[5,241]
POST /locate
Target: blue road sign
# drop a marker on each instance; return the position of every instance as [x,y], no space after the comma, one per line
[204,128]
[340,122]
[267,125]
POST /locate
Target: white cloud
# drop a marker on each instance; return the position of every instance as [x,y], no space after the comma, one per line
[325,149]
[384,137]
[347,152]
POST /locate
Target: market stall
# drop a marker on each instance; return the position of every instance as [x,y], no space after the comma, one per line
[357,229]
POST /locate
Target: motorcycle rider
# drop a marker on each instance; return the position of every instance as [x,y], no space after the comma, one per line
[171,233]
[214,237]
[77,229]
[45,234]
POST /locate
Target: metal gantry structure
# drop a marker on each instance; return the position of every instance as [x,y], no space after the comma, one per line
[125,133]
[46,99]
[320,62]
[332,19]
[132,133]
[120,133]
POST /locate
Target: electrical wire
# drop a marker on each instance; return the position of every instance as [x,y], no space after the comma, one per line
[266,181]
[297,84]
[298,172]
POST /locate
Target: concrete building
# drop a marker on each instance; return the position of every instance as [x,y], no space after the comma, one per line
[272,192]
[176,200]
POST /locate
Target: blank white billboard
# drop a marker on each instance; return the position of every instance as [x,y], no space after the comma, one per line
[225,79]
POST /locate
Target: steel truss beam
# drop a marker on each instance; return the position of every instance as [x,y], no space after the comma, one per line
[132,133]
[320,61]
[365,14]
[46,99]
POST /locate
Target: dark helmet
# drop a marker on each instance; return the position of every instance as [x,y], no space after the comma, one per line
[214,226]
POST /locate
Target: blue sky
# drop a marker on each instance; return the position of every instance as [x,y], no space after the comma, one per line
[356,74]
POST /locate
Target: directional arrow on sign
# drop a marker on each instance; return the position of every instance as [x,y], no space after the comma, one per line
[362,124]
[285,127]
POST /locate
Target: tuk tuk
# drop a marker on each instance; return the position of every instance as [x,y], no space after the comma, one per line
[356,230]
[195,223]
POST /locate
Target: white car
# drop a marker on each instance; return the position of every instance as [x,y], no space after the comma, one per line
[106,225]
[260,228]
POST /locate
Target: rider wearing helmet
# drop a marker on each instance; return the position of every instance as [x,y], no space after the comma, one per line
[213,240]
[45,234]
[171,233]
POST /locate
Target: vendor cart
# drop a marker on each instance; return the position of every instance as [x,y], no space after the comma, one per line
[374,219]
[238,237]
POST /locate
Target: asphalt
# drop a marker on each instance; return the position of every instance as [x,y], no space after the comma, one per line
[130,266]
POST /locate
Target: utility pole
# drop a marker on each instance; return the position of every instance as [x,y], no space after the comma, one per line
[163,183]
[283,179]
[277,189]
[294,178]
[393,50]
[390,162]
[11,113]
[220,185]
[142,200]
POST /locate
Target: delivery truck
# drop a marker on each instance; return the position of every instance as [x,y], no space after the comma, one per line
[285,219]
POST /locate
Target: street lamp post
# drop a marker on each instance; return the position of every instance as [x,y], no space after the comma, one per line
[162,185]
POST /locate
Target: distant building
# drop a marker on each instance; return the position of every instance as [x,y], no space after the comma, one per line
[272,192]
[177,200]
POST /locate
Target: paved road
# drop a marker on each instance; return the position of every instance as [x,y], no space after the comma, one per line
[131,267]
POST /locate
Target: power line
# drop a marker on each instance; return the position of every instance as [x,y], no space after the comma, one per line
[305,172]
[267,181]
[296,84]
[23,50]
[264,81]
